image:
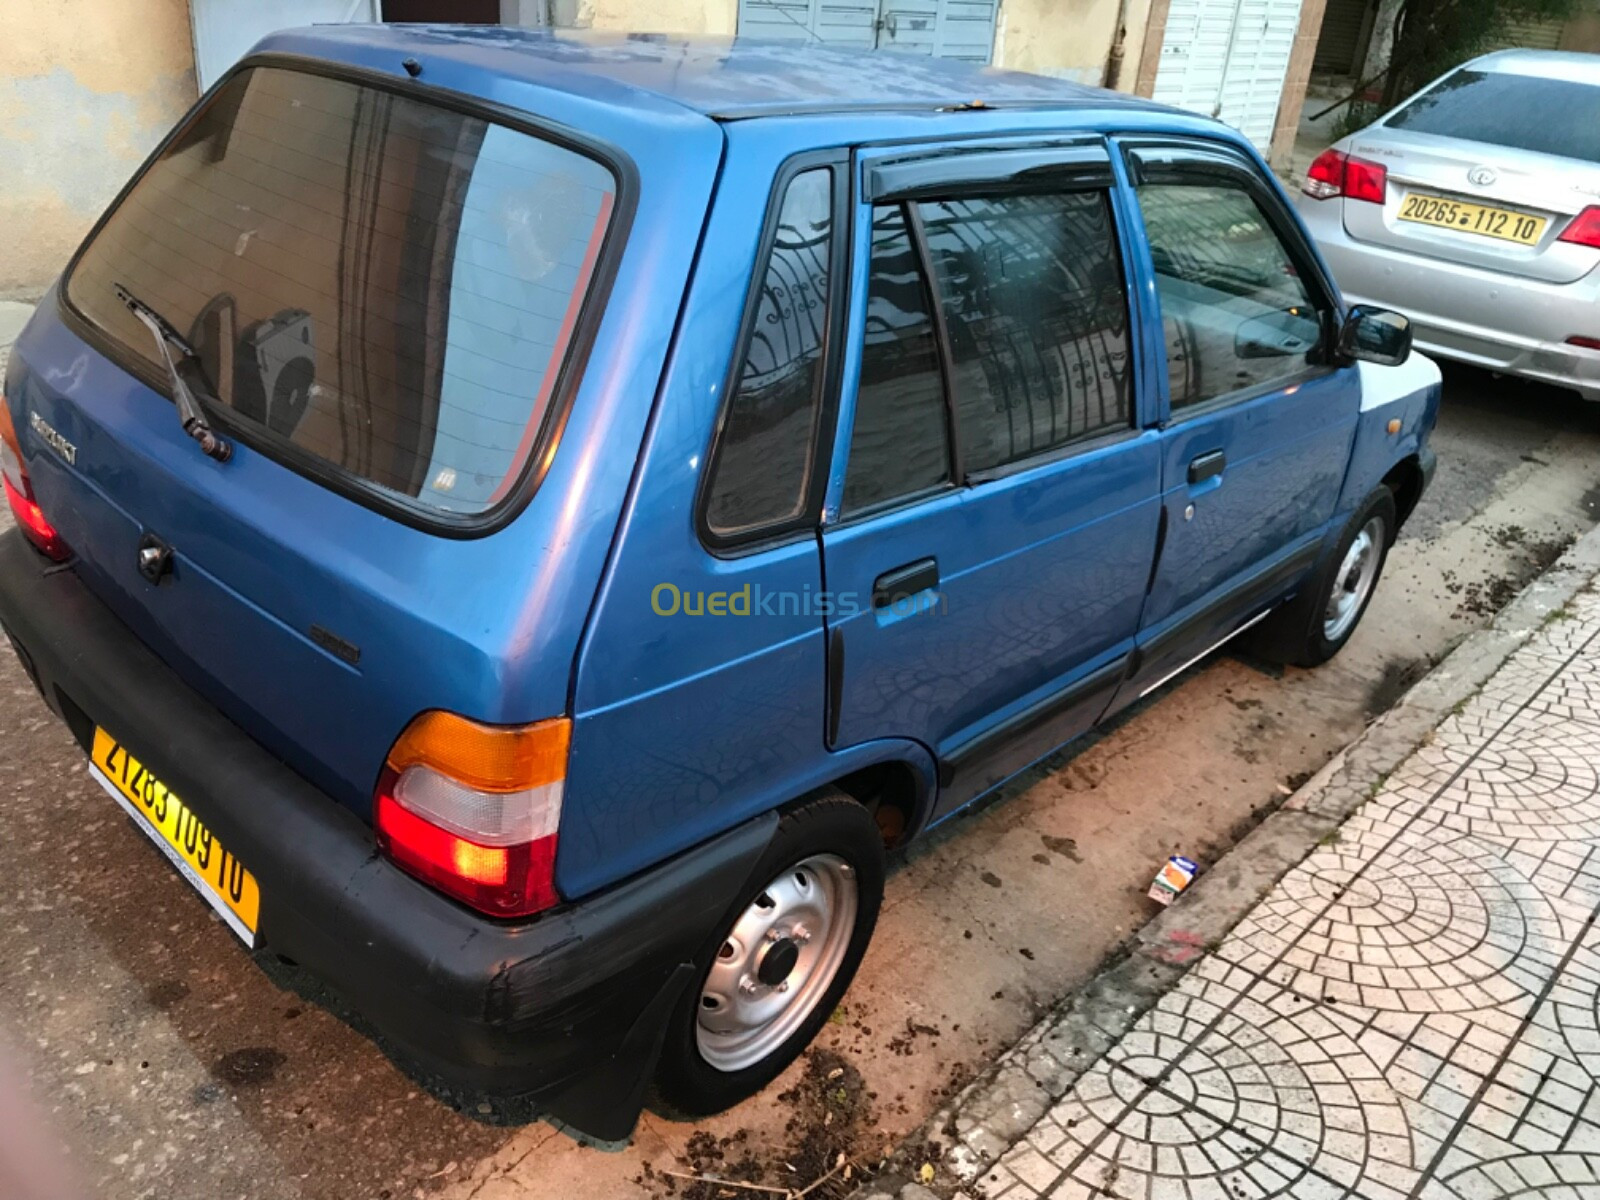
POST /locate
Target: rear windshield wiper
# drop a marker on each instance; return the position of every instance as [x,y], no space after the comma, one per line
[187,363]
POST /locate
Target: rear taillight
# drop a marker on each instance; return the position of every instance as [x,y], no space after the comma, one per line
[19,493]
[1584,229]
[1335,173]
[1587,343]
[474,809]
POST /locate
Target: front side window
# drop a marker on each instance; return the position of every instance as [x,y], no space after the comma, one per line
[379,284]
[762,472]
[1234,309]
[1037,313]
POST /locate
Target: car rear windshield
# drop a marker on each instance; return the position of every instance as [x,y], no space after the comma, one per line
[1509,110]
[373,283]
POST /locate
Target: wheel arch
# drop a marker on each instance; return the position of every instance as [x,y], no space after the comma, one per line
[894,780]
[1406,481]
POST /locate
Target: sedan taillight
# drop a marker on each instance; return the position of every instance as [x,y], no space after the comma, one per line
[1335,173]
[1584,229]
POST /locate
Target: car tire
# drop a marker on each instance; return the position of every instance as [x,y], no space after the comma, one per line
[1316,623]
[763,992]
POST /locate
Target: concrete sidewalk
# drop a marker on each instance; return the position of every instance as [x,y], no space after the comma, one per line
[1411,1011]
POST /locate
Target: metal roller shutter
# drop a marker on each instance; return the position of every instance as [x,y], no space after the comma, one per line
[1339,39]
[1529,35]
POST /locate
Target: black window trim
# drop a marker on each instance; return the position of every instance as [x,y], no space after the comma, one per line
[944,349]
[826,406]
[951,173]
[532,471]
[1195,159]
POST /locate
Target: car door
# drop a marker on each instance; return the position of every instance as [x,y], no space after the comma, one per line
[993,504]
[1259,418]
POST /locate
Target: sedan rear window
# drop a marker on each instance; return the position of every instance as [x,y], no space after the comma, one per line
[1503,109]
[373,283]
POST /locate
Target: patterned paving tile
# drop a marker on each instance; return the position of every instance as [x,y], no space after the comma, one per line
[1413,1012]
[1538,779]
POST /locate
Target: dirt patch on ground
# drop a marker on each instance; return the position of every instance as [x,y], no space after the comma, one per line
[1398,675]
[831,1144]
[1532,556]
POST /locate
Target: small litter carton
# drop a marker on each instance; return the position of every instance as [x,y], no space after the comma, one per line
[1176,874]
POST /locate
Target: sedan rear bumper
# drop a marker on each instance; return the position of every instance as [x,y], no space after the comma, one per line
[1468,314]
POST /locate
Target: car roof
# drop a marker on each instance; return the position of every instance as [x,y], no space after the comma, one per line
[724,78]
[1570,65]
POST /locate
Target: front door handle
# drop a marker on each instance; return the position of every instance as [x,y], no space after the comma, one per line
[1206,466]
[920,576]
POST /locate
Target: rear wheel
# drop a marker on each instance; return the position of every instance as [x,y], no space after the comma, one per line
[781,964]
[1317,623]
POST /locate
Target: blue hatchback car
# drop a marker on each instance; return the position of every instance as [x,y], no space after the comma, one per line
[525,523]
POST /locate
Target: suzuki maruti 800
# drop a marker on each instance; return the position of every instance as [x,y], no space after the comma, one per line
[526,522]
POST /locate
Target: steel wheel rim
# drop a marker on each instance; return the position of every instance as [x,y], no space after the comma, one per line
[746,1010]
[1352,583]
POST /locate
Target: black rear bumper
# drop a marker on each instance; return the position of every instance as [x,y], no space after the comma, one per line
[569,1007]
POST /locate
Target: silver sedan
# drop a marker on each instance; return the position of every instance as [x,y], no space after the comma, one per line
[1474,208]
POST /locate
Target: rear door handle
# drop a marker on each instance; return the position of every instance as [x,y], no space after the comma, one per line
[920,576]
[1206,466]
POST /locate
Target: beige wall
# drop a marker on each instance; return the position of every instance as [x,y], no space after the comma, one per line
[1582,32]
[659,16]
[1071,39]
[87,87]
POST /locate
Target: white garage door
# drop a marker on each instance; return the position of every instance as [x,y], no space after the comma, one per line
[944,28]
[1228,59]
[224,30]
[836,22]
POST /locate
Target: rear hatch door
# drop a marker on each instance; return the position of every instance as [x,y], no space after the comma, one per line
[390,299]
[1481,172]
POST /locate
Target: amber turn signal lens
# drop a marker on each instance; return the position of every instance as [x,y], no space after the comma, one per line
[485,758]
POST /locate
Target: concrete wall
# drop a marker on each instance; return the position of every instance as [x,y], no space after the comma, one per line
[1582,31]
[1071,39]
[1293,101]
[87,87]
[658,16]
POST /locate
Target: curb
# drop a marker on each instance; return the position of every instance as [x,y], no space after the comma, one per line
[995,1111]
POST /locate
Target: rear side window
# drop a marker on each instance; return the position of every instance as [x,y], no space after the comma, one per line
[1235,312]
[898,444]
[1037,312]
[377,284]
[1522,112]
[762,470]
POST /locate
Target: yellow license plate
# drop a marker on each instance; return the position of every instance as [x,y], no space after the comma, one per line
[1502,223]
[215,873]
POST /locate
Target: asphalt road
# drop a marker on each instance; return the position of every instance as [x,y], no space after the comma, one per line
[170,1064]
